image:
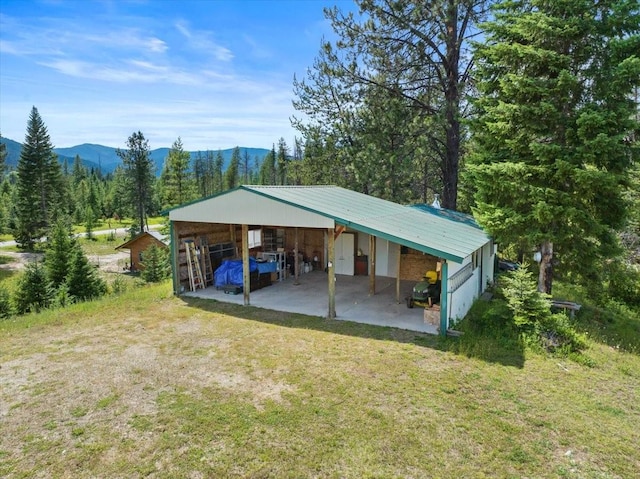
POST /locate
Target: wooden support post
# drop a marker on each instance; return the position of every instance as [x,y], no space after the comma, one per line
[232,238]
[331,274]
[372,265]
[398,274]
[296,263]
[175,258]
[246,276]
[444,298]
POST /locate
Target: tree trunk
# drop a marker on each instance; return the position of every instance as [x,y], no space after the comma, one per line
[452,110]
[545,277]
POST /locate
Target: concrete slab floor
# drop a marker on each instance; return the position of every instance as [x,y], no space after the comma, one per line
[353,303]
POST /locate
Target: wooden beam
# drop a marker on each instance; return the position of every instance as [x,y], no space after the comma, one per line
[338,231]
[246,276]
[331,274]
[296,261]
[372,265]
[175,258]
[398,274]
[232,237]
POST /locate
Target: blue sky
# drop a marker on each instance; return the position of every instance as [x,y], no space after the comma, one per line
[216,73]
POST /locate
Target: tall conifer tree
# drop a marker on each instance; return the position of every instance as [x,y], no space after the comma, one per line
[552,144]
[39,184]
[140,175]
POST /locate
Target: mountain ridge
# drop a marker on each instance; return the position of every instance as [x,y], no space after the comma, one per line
[106,159]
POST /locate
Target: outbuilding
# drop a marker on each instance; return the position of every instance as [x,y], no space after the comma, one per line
[139,244]
[335,230]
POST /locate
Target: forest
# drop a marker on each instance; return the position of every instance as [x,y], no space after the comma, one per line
[523,113]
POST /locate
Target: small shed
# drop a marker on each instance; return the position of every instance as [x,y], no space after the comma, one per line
[338,231]
[139,244]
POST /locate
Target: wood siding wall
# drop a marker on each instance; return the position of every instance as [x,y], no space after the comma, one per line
[414,264]
[140,246]
[310,242]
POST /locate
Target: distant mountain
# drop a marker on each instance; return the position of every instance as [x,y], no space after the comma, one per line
[106,159]
[13,155]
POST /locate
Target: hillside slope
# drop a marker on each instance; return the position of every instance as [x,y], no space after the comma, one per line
[147,384]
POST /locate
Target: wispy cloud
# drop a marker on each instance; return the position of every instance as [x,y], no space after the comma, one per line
[210,72]
[202,41]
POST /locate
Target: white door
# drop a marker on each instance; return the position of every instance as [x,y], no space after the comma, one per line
[345,260]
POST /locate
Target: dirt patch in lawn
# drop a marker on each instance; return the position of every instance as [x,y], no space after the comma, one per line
[111,263]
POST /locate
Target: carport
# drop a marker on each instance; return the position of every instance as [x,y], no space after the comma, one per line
[333,228]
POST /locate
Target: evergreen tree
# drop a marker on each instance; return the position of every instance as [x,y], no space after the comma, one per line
[34,291]
[3,156]
[156,265]
[415,51]
[140,175]
[218,178]
[60,245]
[83,281]
[268,168]
[281,161]
[245,170]
[39,184]
[552,133]
[231,175]
[176,177]
[5,303]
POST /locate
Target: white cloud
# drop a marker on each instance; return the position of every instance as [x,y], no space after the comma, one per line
[202,41]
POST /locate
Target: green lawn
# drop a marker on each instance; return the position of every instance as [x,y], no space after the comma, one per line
[146,384]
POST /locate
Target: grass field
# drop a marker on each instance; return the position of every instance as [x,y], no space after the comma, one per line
[149,385]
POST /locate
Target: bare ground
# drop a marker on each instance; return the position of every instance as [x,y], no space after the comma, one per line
[111,263]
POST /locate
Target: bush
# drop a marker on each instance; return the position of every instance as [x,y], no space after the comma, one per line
[34,291]
[624,283]
[5,303]
[156,265]
[532,314]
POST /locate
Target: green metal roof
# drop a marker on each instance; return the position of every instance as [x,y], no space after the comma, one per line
[416,228]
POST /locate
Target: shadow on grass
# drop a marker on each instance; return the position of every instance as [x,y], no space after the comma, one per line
[479,343]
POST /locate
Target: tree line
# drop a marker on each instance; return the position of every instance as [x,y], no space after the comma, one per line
[524,113]
[41,190]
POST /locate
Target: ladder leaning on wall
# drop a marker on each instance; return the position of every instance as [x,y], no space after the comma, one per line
[207,270]
[193,266]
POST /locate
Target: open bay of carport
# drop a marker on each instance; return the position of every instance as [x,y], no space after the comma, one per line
[353,302]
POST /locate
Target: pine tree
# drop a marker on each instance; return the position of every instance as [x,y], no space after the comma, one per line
[140,174]
[156,265]
[415,51]
[282,161]
[176,176]
[218,178]
[39,184]
[3,156]
[60,245]
[34,291]
[83,281]
[268,168]
[552,145]
[231,175]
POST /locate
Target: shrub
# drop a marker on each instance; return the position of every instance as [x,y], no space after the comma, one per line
[532,314]
[624,283]
[5,303]
[34,291]
[83,280]
[156,265]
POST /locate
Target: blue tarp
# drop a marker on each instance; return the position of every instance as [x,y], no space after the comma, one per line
[265,267]
[230,272]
